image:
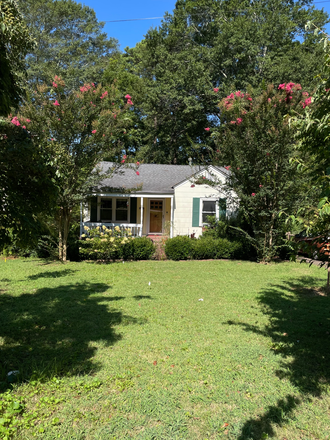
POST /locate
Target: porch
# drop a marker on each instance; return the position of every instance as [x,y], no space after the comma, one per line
[148,214]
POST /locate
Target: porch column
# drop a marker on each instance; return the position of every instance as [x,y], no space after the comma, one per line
[141,219]
[172,217]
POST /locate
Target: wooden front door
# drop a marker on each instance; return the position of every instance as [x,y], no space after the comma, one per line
[156,216]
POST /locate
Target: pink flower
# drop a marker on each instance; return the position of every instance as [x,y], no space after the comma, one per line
[269,100]
[298,87]
[231,96]
[103,95]
[327,90]
[253,194]
[52,139]
[249,98]
[128,96]
[260,186]
[137,163]
[59,119]
[54,84]
[281,86]
[238,168]
[94,131]
[124,157]
[103,135]
[137,173]
[93,84]
[207,129]
[239,121]
[115,116]
[123,161]
[307,102]
[23,126]
[15,121]
[56,103]
[233,122]
[305,93]
[27,120]
[228,167]
[216,90]
[204,177]
[129,102]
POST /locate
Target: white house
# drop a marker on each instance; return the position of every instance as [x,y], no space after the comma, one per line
[161,199]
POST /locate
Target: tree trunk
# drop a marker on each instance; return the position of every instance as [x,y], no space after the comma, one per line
[63,232]
[60,236]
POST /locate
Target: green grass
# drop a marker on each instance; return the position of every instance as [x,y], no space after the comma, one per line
[103,355]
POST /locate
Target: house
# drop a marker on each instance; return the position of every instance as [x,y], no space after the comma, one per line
[159,199]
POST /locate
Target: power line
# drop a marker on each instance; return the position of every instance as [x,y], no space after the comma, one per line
[159,18]
[131,19]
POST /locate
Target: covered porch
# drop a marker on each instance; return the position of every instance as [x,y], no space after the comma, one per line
[143,215]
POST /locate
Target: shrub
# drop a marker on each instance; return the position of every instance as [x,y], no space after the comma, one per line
[178,248]
[204,248]
[107,244]
[211,248]
[142,248]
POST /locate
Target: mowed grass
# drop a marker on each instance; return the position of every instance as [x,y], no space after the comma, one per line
[104,355]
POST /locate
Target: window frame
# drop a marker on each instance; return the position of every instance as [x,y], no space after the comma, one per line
[114,210]
[207,199]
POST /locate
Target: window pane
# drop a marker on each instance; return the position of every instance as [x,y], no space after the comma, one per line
[106,215]
[121,203]
[121,215]
[205,217]
[209,205]
[106,204]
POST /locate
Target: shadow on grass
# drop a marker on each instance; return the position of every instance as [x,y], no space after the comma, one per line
[300,333]
[52,274]
[54,331]
[137,297]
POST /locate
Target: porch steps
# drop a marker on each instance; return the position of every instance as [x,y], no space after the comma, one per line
[159,242]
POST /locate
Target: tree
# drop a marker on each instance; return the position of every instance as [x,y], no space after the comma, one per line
[256,143]
[26,188]
[15,42]
[223,45]
[77,129]
[70,42]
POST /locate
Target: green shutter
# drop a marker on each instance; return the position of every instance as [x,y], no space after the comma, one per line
[222,208]
[133,203]
[195,213]
[93,209]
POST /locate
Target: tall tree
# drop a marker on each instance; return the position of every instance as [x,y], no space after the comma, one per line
[15,42]
[256,143]
[76,129]
[70,42]
[213,44]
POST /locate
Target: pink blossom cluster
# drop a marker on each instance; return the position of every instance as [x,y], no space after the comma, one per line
[129,99]
[238,121]
[104,94]
[289,88]
[238,94]
[85,88]
[56,103]
[15,121]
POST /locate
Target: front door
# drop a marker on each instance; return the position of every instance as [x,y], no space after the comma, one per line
[156,216]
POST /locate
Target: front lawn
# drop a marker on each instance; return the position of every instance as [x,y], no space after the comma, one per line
[129,351]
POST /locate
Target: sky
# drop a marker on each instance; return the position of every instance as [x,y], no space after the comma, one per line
[128,33]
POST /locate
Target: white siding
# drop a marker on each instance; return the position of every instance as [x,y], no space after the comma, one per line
[183,204]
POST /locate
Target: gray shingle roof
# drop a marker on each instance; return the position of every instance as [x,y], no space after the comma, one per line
[153,178]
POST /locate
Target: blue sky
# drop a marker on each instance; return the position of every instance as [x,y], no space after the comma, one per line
[131,32]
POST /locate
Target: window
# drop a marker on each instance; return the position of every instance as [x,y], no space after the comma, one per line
[106,210]
[121,210]
[208,209]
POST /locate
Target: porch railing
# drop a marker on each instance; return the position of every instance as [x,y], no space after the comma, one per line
[136,229]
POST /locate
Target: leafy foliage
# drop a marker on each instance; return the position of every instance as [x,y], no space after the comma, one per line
[26,188]
[70,42]
[76,129]
[257,143]
[15,42]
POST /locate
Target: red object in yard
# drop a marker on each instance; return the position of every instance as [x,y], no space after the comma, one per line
[314,247]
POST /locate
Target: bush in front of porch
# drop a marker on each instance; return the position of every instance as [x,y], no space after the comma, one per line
[107,244]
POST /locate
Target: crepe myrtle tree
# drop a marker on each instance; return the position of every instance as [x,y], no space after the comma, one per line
[256,143]
[76,129]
